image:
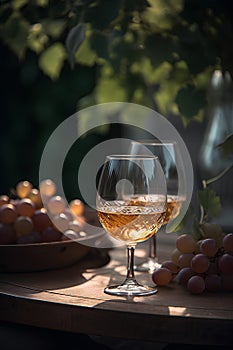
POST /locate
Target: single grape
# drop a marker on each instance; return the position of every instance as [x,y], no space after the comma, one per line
[227,282]
[23,225]
[175,256]
[61,222]
[196,285]
[33,237]
[77,207]
[8,213]
[211,230]
[161,276]
[225,264]
[200,263]
[184,275]
[35,197]
[185,260]
[56,205]
[23,188]
[7,234]
[25,207]
[213,283]
[41,219]
[228,242]
[4,200]
[50,234]
[209,247]
[48,188]
[185,243]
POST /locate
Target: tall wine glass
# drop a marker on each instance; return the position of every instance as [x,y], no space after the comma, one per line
[167,153]
[131,205]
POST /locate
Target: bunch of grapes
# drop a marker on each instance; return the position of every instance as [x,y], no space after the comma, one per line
[206,264]
[25,219]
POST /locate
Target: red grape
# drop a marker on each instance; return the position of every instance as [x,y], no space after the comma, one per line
[209,247]
[184,275]
[185,243]
[48,188]
[25,207]
[8,214]
[35,197]
[61,222]
[23,225]
[77,207]
[196,285]
[41,219]
[213,283]
[56,205]
[225,264]
[23,188]
[161,276]
[228,242]
[200,263]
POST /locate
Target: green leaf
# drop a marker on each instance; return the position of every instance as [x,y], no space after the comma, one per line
[85,54]
[226,147]
[14,33]
[210,202]
[190,101]
[74,41]
[54,28]
[51,60]
[17,4]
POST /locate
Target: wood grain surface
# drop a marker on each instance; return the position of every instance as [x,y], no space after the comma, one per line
[73,299]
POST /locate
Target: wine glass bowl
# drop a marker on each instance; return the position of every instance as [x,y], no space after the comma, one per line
[131,205]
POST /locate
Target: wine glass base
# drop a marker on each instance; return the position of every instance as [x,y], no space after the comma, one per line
[149,266]
[129,289]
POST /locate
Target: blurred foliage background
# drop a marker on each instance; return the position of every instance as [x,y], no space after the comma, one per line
[60,56]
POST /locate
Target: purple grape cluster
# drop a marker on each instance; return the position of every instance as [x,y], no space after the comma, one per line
[206,264]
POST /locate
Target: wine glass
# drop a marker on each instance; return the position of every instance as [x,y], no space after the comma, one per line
[131,206]
[167,153]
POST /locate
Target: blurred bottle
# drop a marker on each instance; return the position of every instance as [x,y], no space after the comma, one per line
[220,126]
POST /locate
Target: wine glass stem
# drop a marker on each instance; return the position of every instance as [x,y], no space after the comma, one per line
[130,262]
[152,247]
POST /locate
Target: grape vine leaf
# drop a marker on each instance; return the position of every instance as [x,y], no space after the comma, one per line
[51,60]
[210,202]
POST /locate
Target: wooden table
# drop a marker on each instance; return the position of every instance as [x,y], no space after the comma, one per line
[72,299]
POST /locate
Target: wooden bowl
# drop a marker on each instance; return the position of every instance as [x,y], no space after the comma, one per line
[40,256]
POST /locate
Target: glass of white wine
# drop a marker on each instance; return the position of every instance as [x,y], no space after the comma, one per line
[167,152]
[131,204]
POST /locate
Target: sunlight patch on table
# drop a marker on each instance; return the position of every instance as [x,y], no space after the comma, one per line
[177,311]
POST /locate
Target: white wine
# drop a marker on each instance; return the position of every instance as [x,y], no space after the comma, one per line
[174,204]
[131,224]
